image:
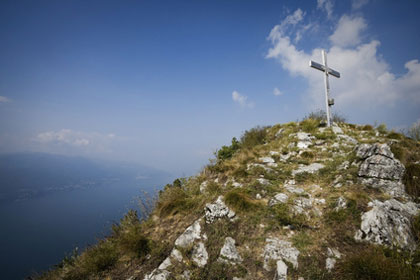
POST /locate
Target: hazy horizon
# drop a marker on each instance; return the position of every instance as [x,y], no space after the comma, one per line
[166,83]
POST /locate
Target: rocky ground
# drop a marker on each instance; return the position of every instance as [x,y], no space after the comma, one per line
[306,202]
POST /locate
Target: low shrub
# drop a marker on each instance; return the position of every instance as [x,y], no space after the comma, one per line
[226,152]
[382,128]
[395,135]
[411,179]
[375,263]
[284,217]
[240,201]
[98,258]
[310,125]
[321,116]
[253,137]
[367,127]
[174,200]
[414,131]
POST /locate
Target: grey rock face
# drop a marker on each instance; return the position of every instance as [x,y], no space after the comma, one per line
[191,234]
[217,210]
[278,198]
[312,168]
[388,223]
[269,161]
[348,139]
[229,253]
[281,271]
[381,167]
[158,274]
[277,249]
[364,151]
[199,254]
[393,188]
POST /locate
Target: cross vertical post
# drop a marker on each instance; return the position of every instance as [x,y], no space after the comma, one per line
[327,71]
[327,87]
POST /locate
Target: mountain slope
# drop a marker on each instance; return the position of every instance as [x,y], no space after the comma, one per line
[292,201]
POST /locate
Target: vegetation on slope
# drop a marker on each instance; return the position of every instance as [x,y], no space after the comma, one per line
[136,247]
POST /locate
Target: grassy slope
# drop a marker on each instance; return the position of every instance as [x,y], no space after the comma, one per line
[136,248]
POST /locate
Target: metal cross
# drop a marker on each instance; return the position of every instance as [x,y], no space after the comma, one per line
[328,71]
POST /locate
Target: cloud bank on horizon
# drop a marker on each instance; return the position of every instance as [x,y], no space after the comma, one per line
[367,80]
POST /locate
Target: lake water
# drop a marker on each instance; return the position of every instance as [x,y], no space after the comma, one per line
[36,234]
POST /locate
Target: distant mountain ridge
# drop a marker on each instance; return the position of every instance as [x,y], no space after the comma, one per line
[26,175]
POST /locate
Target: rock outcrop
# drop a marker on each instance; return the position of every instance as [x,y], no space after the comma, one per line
[389,223]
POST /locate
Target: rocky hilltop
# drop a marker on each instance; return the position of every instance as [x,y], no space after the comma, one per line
[292,201]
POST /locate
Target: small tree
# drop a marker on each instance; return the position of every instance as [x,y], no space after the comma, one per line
[414,131]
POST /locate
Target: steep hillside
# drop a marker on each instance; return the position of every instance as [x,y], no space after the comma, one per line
[292,201]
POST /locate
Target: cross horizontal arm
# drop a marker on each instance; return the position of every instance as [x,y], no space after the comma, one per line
[321,67]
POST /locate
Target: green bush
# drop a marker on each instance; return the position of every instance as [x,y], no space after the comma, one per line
[382,128]
[309,125]
[129,235]
[226,152]
[414,131]
[411,179]
[240,201]
[174,200]
[321,116]
[375,263]
[253,137]
[367,127]
[99,258]
[395,135]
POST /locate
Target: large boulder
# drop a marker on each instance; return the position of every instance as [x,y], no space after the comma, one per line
[389,223]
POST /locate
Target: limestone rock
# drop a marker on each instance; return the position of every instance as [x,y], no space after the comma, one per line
[393,188]
[199,254]
[203,186]
[336,129]
[190,234]
[278,198]
[165,264]
[229,253]
[388,223]
[269,161]
[341,204]
[364,151]
[263,181]
[281,271]
[177,255]
[312,168]
[158,275]
[330,263]
[217,210]
[277,249]
[348,139]
[279,133]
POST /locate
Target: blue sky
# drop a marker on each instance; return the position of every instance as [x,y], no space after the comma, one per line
[166,83]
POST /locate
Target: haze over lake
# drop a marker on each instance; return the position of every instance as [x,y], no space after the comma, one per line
[42,223]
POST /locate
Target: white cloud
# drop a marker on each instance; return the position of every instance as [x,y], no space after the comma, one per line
[348,31]
[4,99]
[357,4]
[327,6]
[277,92]
[241,100]
[72,138]
[366,80]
